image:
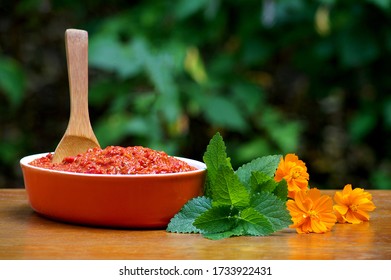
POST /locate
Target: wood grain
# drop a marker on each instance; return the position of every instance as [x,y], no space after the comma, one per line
[79,136]
[26,235]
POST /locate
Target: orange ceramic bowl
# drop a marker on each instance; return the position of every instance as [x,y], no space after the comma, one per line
[124,201]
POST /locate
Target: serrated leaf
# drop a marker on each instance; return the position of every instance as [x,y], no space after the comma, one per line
[266,164]
[214,157]
[261,182]
[254,223]
[273,208]
[281,190]
[183,221]
[237,231]
[217,219]
[235,209]
[227,189]
[207,186]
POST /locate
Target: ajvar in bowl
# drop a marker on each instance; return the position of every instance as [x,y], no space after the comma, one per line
[120,201]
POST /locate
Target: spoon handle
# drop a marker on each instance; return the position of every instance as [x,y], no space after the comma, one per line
[76,45]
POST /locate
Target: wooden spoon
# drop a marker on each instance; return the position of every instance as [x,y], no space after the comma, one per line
[79,136]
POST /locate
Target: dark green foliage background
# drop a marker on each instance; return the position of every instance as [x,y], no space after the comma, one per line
[273,77]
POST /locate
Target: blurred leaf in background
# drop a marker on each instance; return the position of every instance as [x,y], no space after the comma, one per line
[12,81]
[12,90]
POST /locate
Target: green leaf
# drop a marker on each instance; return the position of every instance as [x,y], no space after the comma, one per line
[106,52]
[228,190]
[281,190]
[357,48]
[387,112]
[262,182]
[273,209]
[194,65]
[232,210]
[214,157]
[223,112]
[12,80]
[160,72]
[363,123]
[383,4]
[247,151]
[217,219]
[183,221]
[254,223]
[185,8]
[237,231]
[101,92]
[284,134]
[115,124]
[266,165]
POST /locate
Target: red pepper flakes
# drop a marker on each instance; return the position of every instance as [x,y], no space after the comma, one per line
[117,160]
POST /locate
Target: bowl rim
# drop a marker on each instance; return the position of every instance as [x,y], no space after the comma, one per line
[201,167]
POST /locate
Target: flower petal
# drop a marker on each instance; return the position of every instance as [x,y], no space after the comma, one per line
[367,205]
[362,216]
[352,218]
[341,209]
[323,204]
[318,226]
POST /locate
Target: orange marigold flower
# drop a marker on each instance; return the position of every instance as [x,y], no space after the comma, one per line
[294,172]
[352,205]
[311,211]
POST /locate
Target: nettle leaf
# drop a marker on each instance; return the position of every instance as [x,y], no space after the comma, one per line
[237,231]
[183,221]
[259,181]
[281,190]
[254,223]
[214,157]
[217,219]
[273,208]
[245,202]
[266,165]
[227,189]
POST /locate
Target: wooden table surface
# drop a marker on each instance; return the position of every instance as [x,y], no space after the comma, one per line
[26,235]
